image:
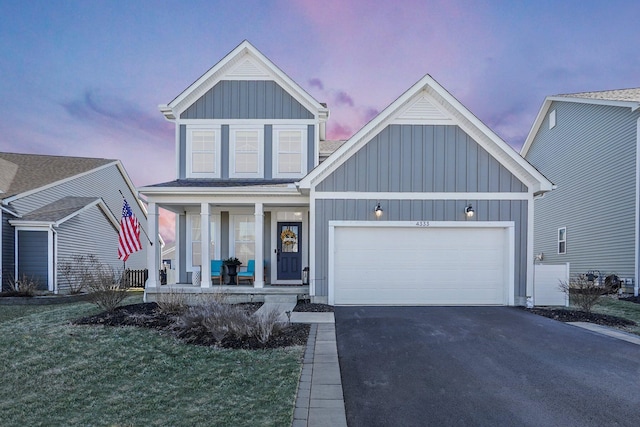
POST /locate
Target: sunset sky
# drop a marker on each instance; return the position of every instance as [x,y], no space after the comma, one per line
[84,78]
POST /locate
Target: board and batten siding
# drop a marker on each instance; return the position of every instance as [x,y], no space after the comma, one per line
[419,210]
[590,155]
[246,99]
[422,158]
[33,257]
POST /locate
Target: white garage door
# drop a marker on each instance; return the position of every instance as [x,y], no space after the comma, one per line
[416,266]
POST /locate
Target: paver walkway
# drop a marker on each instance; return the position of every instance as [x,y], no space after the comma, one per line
[320,402]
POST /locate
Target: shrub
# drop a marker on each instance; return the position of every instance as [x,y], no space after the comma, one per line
[215,323]
[584,291]
[76,271]
[173,302]
[265,325]
[25,287]
[107,287]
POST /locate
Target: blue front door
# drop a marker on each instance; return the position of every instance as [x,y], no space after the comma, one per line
[289,251]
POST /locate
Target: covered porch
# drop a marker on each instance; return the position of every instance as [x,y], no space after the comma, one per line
[269,232]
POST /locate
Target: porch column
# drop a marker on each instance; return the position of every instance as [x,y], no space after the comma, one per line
[259,246]
[205,242]
[153,247]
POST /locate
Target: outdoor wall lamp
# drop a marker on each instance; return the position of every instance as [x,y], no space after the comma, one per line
[378,210]
[469,212]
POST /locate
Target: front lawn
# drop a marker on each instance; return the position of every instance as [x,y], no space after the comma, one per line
[55,373]
[612,306]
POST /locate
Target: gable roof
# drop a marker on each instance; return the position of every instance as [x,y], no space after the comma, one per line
[245,62]
[62,210]
[632,95]
[427,102]
[629,98]
[20,173]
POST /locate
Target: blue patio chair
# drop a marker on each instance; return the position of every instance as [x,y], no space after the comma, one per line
[249,275]
[216,270]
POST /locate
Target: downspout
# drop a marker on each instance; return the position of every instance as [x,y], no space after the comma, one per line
[55,259]
[637,217]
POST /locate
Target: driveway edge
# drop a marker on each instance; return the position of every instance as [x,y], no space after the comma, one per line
[614,333]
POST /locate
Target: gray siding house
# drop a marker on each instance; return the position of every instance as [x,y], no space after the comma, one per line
[54,207]
[424,205]
[587,144]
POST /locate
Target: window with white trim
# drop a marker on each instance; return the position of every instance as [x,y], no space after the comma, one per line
[562,240]
[203,151]
[246,152]
[243,238]
[289,151]
[195,237]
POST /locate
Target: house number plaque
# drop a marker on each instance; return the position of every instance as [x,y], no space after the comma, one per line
[422,224]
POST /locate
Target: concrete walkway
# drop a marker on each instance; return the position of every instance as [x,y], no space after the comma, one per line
[610,332]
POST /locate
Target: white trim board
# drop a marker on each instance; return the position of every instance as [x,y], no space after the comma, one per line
[420,196]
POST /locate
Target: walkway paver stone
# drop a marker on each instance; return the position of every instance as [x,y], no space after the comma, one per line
[320,402]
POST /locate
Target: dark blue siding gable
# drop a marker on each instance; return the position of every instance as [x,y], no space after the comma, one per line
[418,158]
[233,99]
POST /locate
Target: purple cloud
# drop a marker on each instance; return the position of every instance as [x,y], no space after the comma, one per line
[96,110]
[343,98]
[370,113]
[317,83]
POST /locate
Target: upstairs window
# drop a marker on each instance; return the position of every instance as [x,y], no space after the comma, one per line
[246,147]
[290,151]
[562,240]
[203,148]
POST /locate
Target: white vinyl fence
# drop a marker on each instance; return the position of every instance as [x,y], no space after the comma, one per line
[546,284]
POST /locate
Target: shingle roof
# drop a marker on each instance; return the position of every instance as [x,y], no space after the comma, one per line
[59,209]
[24,172]
[632,95]
[201,182]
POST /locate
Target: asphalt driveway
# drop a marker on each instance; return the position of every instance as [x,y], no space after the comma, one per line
[481,366]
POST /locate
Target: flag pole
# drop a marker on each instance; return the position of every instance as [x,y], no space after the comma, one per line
[145,233]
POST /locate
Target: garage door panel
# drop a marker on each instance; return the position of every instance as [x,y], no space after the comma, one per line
[409,266]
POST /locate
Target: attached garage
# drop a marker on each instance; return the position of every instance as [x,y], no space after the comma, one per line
[421,263]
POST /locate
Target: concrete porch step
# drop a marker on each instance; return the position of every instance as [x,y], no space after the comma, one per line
[288,299]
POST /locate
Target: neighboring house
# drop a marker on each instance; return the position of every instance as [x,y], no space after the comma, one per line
[54,207]
[588,145]
[453,202]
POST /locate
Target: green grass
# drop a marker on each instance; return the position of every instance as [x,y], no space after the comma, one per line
[57,374]
[625,309]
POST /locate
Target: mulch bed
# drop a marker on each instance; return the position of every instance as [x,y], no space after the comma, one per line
[148,315]
[309,307]
[566,315]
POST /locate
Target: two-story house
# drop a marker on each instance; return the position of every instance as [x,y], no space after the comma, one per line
[588,144]
[423,205]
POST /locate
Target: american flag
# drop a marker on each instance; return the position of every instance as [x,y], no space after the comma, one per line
[129,237]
